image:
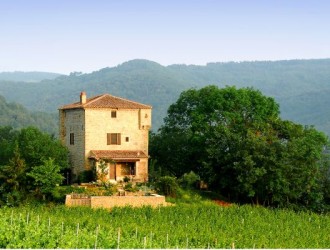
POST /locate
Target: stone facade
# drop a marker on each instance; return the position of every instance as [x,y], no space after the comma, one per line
[116,201]
[73,125]
[110,129]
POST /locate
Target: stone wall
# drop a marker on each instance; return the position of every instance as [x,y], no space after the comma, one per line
[99,123]
[75,201]
[133,126]
[72,121]
[116,201]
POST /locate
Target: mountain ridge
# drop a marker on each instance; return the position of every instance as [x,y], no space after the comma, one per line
[299,86]
[31,76]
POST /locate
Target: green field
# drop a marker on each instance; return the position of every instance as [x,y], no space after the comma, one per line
[180,226]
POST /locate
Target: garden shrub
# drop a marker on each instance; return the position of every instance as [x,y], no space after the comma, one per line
[59,192]
[126,179]
[86,176]
[129,187]
[189,180]
[168,186]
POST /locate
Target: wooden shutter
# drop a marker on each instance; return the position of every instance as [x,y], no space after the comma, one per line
[118,139]
[108,139]
[113,139]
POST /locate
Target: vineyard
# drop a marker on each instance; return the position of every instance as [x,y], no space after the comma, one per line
[180,226]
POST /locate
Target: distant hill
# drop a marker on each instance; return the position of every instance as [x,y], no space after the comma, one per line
[27,76]
[301,87]
[16,116]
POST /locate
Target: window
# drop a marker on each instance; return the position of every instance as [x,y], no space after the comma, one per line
[128,168]
[71,138]
[113,114]
[113,139]
[132,170]
[127,139]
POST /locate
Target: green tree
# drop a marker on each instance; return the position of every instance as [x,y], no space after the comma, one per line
[8,136]
[168,186]
[36,146]
[235,139]
[183,142]
[13,183]
[325,177]
[25,165]
[46,177]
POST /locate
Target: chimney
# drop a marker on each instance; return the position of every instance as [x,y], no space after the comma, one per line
[82,98]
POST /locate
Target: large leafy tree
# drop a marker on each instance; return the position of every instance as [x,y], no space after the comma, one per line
[235,139]
[46,177]
[36,146]
[31,161]
[13,180]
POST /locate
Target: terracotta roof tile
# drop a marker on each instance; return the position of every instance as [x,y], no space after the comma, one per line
[117,154]
[107,101]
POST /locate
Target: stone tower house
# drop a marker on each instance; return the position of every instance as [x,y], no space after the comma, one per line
[108,129]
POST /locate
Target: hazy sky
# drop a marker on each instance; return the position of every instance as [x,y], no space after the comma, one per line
[86,35]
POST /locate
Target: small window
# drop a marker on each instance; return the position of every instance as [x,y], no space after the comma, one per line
[127,139]
[113,114]
[71,138]
[113,139]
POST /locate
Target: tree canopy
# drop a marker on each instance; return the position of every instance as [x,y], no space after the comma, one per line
[31,164]
[236,141]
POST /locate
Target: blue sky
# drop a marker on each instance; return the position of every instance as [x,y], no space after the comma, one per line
[79,35]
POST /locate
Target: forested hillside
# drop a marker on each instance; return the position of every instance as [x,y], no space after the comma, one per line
[301,87]
[17,116]
[27,76]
